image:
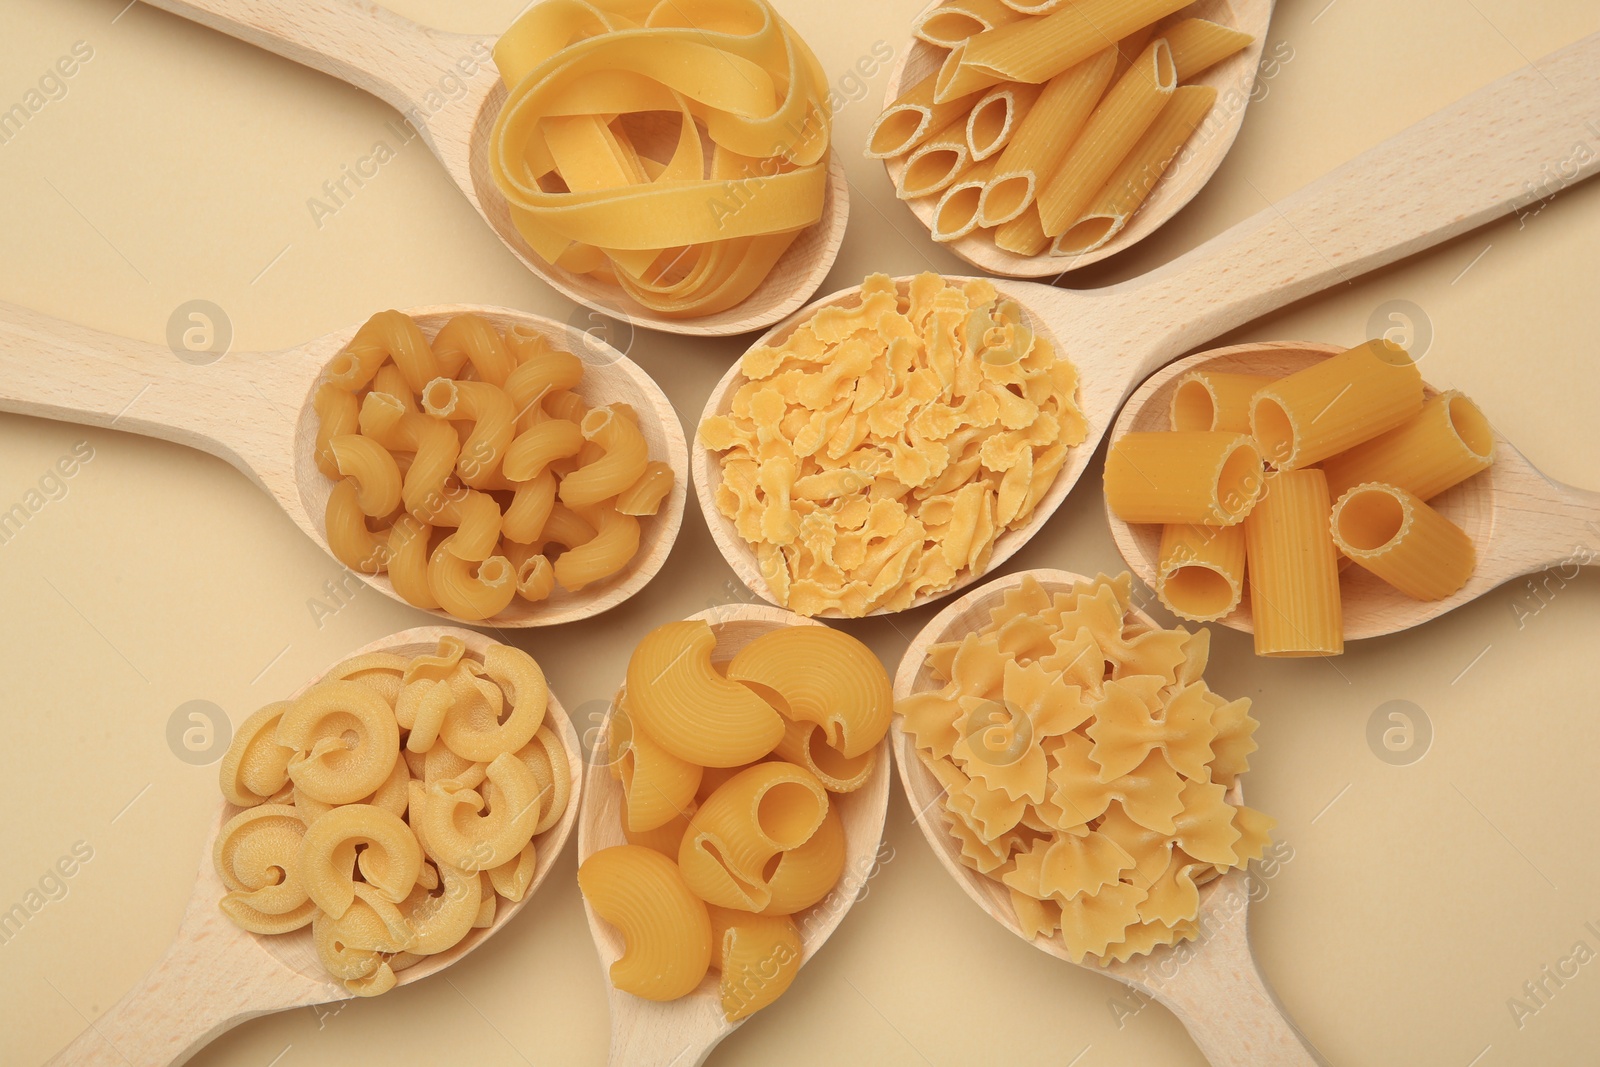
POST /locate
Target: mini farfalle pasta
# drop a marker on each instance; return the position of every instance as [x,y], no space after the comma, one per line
[875,455]
[731,769]
[453,458]
[1085,764]
[391,857]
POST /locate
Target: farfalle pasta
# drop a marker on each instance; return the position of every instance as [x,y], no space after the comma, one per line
[469,471]
[1086,766]
[726,819]
[873,456]
[673,149]
[388,868]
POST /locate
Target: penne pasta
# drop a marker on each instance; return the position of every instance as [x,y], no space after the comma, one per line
[995,117]
[1445,443]
[1335,404]
[1130,183]
[1198,44]
[1023,235]
[956,213]
[954,21]
[1402,540]
[1037,49]
[935,163]
[912,119]
[1200,571]
[1118,122]
[1193,477]
[1043,136]
[1293,568]
[1215,400]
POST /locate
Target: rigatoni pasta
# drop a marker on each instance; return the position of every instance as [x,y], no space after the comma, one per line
[1215,400]
[1396,536]
[347,798]
[1196,476]
[1335,404]
[1293,567]
[477,484]
[743,830]
[1200,570]
[1442,445]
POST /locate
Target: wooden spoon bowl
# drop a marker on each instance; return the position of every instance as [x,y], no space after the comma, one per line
[255,411]
[216,975]
[446,85]
[1212,983]
[1233,78]
[1519,520]
[1453,171]
[682,1032]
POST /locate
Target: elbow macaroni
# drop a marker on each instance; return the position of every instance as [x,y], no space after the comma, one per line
[450,484]
[391,857]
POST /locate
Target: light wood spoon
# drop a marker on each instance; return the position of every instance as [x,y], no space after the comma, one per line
[254,410]
[1448,174]
[682,1032]
[447,86]
[1520,520]
[1212,984]
[1234,79]
[216,975]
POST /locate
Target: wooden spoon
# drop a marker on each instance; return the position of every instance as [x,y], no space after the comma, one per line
[1520,520]
[1448,174]
[682,1032]
[1212,984]
[216,976]
[1234,79]
[446,85]
[254,410]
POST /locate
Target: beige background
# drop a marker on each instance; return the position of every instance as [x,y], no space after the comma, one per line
[1419,899]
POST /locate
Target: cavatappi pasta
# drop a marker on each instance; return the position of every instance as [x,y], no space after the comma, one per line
[1344,456]
[1080,129]
[1086,765]
[731,771]
[673,149]
[875,455]
[392,807]
[470,471]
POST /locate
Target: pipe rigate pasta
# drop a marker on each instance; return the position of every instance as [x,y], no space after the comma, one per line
[758,957]
[698,715]
[473,467]
[405,869]
[851,699]
[664,925]
[768,809]
[658,786]
[1104,853]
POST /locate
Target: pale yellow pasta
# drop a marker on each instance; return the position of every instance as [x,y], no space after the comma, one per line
[463,834]
[1044,135]
[1200,570]
[912,119]
[956,213]
[410,546]
[806,744]
[1335,404]
[644,497]
[625,455]
[665,927]
[1293,568]
[338,413]
[438,921]
[1129,108]
[469,590]
[1199,476]
[615,542]
[1024,235]
[390,380]
[824,676]
[1198,44]
[805,875]
[256,767]
[536,578]
[1402,540]
[954,21]
[758,957]
[1131,181]
[681,701]
[257,856]
[935,163]
[326,764]
[372,468]
[657,786]
[1037,49]
[1215,400]
[765,810]
[489,410]
[540,445]
[469,338]
[531,506]
[547,759]
[480,729]
[995,117]
[1442,445]
[326,865]
[512,878]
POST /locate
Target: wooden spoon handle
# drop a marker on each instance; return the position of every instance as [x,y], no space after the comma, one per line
[1500,149]
[239,408]
[363,44]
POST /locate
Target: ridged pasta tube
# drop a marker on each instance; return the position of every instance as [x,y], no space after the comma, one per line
[822,676]
[762,811]
[665,928]
[489,410]
[1402,540]
[623,463]
[698,715]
